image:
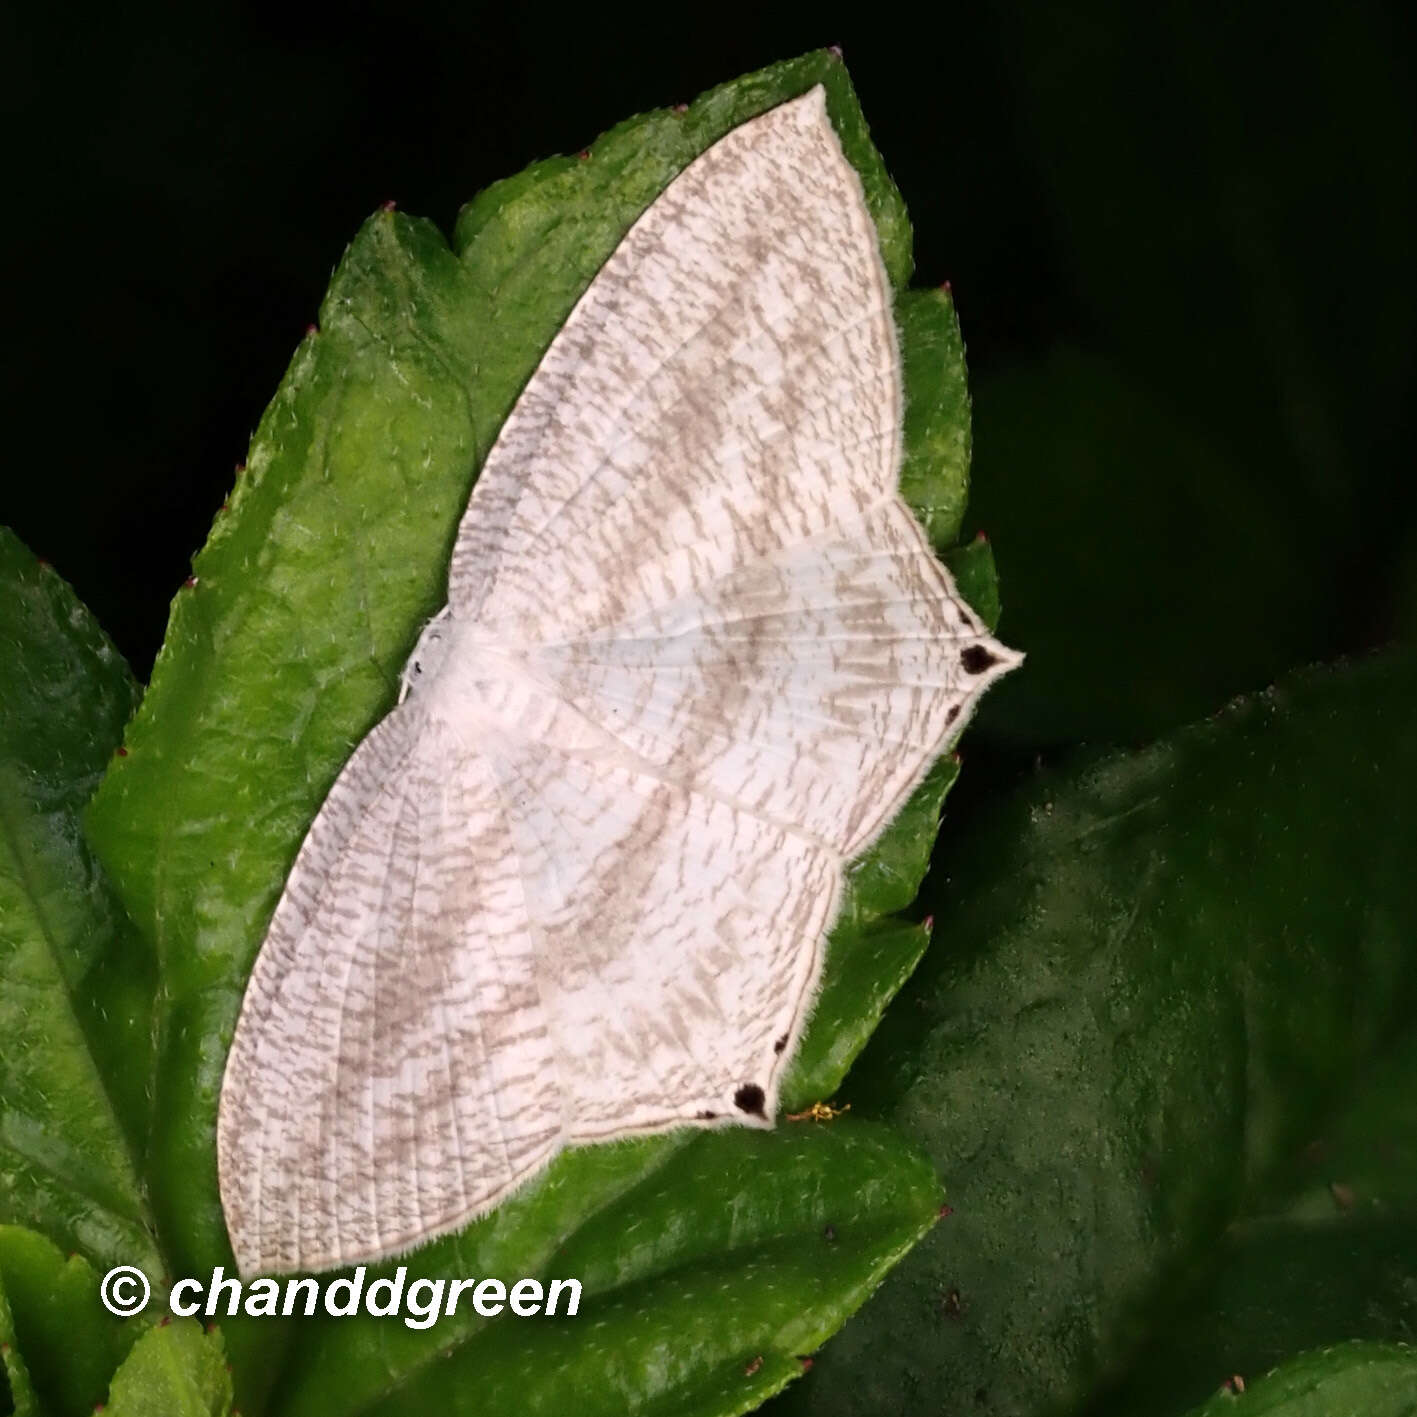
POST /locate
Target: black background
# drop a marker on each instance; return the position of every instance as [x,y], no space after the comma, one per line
[1221,206]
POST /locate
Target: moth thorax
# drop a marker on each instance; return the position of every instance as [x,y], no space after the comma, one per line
[480,683]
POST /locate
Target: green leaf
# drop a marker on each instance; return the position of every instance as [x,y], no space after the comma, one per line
[699,1255]
[934,477]
[870,952]
[64,1343]
[1374,1379]
[1332,1257]
[17,1394]
[559,220]
[285,650]
[1152,973]
[173,1371]
[976,578]
[74,983]
[1149,579]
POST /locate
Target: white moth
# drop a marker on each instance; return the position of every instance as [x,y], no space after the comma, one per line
[696,654]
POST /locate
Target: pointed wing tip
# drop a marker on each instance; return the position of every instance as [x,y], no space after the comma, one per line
[987,659]
[1011,658]
[1006,660]
[807,110]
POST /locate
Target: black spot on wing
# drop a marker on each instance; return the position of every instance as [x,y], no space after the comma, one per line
[976,659]
[750,1098]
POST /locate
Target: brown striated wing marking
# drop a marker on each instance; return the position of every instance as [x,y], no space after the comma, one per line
[391,1074]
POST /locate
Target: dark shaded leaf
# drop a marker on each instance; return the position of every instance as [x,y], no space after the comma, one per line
[74,983]
[1152,973]
[1374,1379]
[1332,1257]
